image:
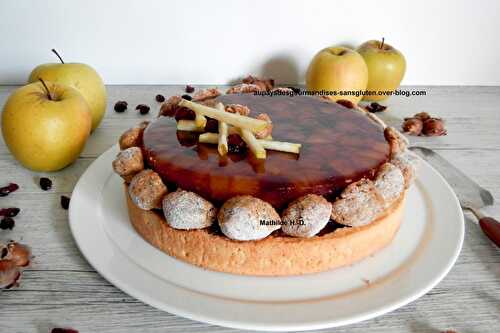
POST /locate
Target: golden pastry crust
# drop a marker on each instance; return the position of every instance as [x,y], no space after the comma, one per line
[274,255]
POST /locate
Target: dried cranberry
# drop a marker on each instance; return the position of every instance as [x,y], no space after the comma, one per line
[121,106]
[9,212]
[184,113]
[45,183]
[189,89]
[187,97]
[160,98]
[235,144]
[212,125]
[344,102]
[65,202]
[7,223]
[63,330]
[143,108]
[375,107]
[6,190]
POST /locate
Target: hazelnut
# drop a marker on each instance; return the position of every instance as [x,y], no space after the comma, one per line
[266,132]
[413,126]
[264,84]
[187,210]
[306,216]
[169,108]
[237,108]
[9,274]
[147,190]
[128,162]
[18,253]
[434,127]
[422,116]
[247,218]
[344,102]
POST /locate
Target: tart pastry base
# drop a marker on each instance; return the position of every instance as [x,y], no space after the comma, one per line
[274,255]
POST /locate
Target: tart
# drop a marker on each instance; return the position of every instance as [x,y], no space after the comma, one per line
[318,186]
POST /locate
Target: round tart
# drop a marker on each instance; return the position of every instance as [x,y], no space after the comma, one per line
[339,187]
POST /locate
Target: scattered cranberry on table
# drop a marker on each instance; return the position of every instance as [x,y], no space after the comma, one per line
[63,330]
[189,89]
[121,106]
[9,212]
[6,190]
[45,183]
[143,109]
[7,223]
[65,202]
[160,98]
[375,107]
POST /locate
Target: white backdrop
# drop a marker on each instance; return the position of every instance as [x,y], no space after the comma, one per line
[213,42]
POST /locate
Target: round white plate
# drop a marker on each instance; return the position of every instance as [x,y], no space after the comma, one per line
[422,253]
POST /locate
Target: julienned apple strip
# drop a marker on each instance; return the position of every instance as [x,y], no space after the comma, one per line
[189,125]
[252,143]
[286,147]
[236,120]
[222,146]
[200,120]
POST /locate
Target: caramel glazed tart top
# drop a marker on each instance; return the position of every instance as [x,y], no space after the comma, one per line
[240,216]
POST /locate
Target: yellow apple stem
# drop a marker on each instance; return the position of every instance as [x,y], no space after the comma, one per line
[49,95]
[57,54]
[382,44]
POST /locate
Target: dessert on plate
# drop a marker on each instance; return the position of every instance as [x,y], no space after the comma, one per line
[265,183]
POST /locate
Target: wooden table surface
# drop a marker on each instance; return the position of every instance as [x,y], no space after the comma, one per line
[60,289]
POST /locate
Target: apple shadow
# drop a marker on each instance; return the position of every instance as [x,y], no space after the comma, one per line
[282,68]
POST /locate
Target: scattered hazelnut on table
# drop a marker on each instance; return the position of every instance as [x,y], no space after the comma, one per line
[13,258]
[434,127]
[413,126]
[422,124]
[422,116]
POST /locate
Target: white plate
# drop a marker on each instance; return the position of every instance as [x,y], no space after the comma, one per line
[422,253]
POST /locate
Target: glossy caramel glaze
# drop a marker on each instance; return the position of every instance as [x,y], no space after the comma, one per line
[339,146]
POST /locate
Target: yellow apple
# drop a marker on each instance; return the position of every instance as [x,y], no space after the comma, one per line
[82,77]
[45,126]
[386,68]
[340,70]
